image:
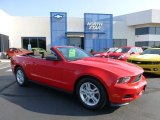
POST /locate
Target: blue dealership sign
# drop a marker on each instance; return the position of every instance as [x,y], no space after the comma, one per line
[97,31]
[58,28]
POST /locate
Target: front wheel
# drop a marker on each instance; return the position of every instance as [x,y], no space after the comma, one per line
[91,94]
[21,77]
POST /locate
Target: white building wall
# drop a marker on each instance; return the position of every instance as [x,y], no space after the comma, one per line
[138,18]
[144,17]
[5,23]
[155,16]
[122,31]
[30,27]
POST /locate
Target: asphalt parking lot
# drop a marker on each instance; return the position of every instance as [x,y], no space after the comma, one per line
[36,102]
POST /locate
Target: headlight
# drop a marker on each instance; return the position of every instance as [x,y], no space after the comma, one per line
[105,54]
[120,57]
[123,80]
[96,55]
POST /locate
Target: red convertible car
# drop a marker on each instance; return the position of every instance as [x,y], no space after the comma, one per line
[95,81]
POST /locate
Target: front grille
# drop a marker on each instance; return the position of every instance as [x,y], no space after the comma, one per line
[144,62]
[138,78]
[147,69]
[129,61]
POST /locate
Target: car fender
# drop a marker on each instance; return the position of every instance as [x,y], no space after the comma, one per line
[106,78]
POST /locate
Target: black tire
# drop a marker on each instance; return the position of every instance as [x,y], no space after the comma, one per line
[101,95]
[21,77]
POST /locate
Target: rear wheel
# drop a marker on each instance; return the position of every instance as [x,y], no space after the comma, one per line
[21,77]
[91,94]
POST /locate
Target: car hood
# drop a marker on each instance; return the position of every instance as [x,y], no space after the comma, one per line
[117,67]
[145,57]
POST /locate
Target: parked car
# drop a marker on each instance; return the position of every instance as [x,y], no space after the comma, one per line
[124,52]
[145,47]
[95,81]
[16,51]
[149,60]
[99,52]
[106,53]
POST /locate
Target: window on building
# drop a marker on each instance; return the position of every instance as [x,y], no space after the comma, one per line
[152,30]
[142,31]
[154,43]
[147,30]
[148,43]
[119,42]
[36,42]
[158,30]
[4,43]
[140,44]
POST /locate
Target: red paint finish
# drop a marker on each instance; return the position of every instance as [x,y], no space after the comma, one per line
[64,74]
[16,51]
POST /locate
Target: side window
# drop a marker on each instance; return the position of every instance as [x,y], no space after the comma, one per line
[140,50]
[50,53]
[53,53]
[133,50]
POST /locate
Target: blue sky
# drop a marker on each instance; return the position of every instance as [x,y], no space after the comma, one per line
[76,8]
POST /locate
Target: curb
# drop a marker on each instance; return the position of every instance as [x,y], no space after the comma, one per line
[4,61]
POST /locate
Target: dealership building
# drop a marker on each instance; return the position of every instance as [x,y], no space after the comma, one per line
[93,31]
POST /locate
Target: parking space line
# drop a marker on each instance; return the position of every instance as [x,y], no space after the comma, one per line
[5,67]
[2,63]
[9,70]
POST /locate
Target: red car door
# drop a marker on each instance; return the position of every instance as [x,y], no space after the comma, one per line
[49,72]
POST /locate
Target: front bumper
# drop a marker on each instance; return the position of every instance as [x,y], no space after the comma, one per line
[151,68]
[125,93]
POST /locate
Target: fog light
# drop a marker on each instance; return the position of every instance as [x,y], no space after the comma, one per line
[128,96]
[155,69]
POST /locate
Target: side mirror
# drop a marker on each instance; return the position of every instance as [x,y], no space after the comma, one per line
[52,58]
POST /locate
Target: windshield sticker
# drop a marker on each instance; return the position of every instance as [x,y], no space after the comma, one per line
[72,52]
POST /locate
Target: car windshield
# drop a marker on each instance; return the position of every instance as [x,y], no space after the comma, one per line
[112,49]
[123,50]
[151,51]
[72,53]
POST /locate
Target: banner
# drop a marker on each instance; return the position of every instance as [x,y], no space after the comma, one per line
[97,31]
